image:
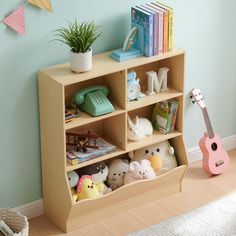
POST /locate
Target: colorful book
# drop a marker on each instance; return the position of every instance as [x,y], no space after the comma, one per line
[155,27]
[143,20]
[164,116]
[160,27]
[170,24]
[165,26]
[73,162]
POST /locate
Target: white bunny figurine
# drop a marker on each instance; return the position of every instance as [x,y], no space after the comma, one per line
[139,128]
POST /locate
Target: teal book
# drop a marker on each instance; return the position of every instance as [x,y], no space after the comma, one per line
[143,20]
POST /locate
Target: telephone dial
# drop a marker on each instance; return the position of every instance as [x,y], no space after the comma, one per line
[93,100]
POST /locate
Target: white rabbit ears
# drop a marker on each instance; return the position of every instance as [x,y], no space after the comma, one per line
[134,165]
[130,122]
[145,162]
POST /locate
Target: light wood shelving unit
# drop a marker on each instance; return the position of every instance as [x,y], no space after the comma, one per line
[57,85]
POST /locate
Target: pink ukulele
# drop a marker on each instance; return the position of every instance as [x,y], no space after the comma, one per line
[215,158]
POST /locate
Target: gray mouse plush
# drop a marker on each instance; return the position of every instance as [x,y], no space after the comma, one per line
[98,172]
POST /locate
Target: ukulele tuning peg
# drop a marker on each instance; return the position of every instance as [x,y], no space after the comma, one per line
[191,96]
[193,102]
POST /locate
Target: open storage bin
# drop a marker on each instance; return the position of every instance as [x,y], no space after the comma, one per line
[56,87]
[15,221]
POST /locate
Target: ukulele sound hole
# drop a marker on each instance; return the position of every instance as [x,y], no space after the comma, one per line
[214,146]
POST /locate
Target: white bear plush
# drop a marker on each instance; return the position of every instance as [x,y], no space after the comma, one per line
[116,172]
[162,150]
[139,170]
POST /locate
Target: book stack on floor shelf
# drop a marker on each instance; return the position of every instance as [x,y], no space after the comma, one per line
[154,22]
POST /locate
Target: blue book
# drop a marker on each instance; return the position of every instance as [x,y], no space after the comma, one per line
[143,20]
[155,27]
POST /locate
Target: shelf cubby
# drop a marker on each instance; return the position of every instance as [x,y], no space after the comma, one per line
[152,99]
[57,85]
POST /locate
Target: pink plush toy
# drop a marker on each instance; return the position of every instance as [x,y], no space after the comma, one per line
[137,171]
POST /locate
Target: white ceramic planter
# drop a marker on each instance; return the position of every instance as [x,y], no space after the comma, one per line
[81,62]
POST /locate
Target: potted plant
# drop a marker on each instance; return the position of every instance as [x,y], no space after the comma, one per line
[79,37]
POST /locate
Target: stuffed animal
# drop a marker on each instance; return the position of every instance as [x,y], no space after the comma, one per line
[134,174]
[137,171]
[139,128]
[73,179]
[98,172]
[87,188]
[154,153]
[116,172]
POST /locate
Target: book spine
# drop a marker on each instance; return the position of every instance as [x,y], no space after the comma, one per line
[156,34]
[137,22]
[73,162]
[155,28]
[160,12]
[146,20]
[161,37]
[171,19]
[170,23]
[165,32]
[150,36]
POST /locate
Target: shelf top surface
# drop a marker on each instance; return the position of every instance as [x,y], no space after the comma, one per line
[102,65]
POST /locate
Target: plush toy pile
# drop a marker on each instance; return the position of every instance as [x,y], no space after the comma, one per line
[100,178]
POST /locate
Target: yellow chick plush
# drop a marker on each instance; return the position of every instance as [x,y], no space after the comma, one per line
[87,188]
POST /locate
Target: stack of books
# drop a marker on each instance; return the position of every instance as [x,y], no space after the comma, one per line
[74,157]
[154,22]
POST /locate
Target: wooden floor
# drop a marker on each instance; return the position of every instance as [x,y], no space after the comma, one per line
[198,189]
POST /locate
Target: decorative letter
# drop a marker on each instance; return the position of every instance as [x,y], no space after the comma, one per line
[162,77]
[152,75]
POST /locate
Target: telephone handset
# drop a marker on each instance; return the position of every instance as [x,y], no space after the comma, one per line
[93,100]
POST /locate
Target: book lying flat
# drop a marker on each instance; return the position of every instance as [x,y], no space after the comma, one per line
[74,157]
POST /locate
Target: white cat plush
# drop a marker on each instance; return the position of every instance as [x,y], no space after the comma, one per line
[139,128]
[162,150]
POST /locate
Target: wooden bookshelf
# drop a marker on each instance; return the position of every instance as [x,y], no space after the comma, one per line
[57,84]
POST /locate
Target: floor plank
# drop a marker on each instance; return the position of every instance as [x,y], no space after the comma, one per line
[198,189]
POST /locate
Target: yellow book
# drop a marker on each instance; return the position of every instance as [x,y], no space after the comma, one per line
[170,24]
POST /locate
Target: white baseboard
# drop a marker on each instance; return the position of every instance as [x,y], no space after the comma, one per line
[31,209]
[35,209]
[195,154]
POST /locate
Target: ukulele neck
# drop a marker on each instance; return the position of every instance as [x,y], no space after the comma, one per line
[208,123]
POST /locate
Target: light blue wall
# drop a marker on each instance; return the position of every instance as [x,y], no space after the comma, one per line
[203,28]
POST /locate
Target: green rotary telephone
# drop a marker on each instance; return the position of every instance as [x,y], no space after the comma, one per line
[93,100]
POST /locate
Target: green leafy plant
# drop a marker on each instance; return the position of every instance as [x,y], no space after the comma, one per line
[79,37]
